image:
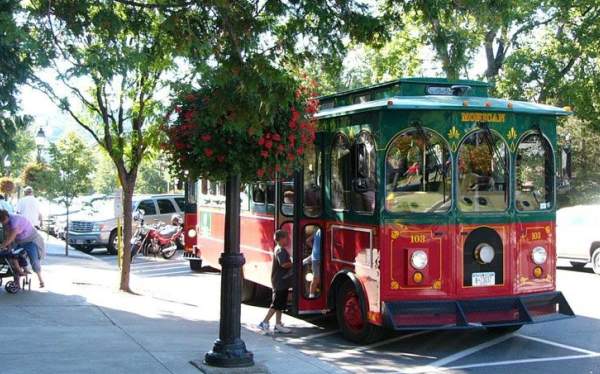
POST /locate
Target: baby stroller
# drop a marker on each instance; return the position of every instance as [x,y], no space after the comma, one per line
[7,270]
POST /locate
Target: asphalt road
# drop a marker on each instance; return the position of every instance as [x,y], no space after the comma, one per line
[567,346]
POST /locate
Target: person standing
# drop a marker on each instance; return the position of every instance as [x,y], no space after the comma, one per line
[281,275]
[4,204]
[29,207]
[19,231]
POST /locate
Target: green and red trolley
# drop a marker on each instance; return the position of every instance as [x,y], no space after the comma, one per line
[435,206]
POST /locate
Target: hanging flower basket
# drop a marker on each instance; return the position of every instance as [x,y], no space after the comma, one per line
[234,128]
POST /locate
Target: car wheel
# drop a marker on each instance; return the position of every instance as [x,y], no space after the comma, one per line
[596,260]
[351,317]
[578,265]
[84,248]
[112,243]
[196,265]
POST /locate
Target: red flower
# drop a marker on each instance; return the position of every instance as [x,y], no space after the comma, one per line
[277,168]
[291,157]
[264,154]
[188,115]
[206,137]
[261,141]
[208,152]
[260,172]
[220,158]
[276,137]
[268,144]
[280,148]
[300,151]
[190,97]
[292,138]
[292,124]
[268,136]
[295,114]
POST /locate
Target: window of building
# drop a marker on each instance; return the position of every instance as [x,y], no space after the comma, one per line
[483,173]
[364,182]
[340,173]
[418,173]
[534,174]
[313,177]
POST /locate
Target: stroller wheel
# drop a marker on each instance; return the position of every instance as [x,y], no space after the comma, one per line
[11,287]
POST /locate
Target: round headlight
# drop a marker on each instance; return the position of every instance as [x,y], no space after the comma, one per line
[539,255]
[418,260]
[309,277]
[192,233]
[484,253]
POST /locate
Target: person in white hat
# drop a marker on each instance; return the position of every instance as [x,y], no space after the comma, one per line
[29,207]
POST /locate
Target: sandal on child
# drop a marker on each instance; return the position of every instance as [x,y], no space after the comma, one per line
[41,284]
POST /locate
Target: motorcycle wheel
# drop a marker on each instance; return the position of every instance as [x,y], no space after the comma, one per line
[167,255]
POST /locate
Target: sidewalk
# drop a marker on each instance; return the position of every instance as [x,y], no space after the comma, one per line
[80,324]
[56,247]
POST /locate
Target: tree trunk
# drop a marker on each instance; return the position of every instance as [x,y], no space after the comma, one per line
[128,185]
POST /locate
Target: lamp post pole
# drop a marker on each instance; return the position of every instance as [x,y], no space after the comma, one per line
[229,350]
[40,141]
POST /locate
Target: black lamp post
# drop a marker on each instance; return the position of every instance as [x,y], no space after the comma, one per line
[40,141]
[229,351]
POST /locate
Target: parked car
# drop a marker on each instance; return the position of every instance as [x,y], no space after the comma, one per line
[578,235]
[97,228]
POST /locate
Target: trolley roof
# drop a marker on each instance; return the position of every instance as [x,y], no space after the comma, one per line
[427,94]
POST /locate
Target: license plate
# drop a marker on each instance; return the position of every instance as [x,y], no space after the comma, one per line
[79,241]
[483,279]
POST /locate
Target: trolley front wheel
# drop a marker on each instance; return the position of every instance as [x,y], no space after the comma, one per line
[352,318]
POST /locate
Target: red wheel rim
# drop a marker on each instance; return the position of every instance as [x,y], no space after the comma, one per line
[352,312]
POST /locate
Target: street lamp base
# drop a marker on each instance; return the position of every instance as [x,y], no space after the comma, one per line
[230,355]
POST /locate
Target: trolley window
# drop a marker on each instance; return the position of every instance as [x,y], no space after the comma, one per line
[534,174]
[312,181]
[340,173]
[364,183]
[483,173]
[418,173]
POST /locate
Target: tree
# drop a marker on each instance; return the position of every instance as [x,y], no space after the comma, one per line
[105,179]
[70,169]
[20,154]
[124,56]
[153,176]
[457,29]
[37,176]
[17,58]
[7,186]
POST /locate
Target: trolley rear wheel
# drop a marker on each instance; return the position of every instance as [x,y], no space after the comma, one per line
[351,317]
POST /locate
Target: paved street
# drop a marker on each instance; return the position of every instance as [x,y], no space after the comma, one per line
[80,324]
[555,347]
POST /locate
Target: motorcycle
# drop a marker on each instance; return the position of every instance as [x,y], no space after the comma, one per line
[156,239]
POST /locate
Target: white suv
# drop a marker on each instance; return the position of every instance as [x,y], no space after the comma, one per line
[97,228]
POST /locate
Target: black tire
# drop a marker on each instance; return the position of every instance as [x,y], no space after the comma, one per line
[11,287]
[248,291]
[84,248]
[578,265]
[170,254]
[352,318]
[112,243]
[596,261]
[502,330]
[196,265]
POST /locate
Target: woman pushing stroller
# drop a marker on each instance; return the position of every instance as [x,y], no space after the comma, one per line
[19,231]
